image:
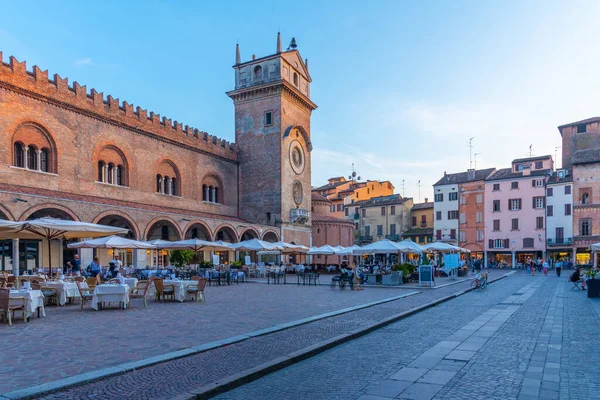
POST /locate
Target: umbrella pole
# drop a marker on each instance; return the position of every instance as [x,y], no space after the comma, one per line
[49,259]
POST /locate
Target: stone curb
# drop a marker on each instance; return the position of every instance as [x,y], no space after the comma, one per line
[233,381]
[88,377]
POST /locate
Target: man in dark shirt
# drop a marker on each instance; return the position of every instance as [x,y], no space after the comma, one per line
[75,264]
[576,277]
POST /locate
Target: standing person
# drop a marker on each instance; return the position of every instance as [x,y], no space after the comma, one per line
[532,267]
[75,265]
[95,267]
[558,265]
[546,266]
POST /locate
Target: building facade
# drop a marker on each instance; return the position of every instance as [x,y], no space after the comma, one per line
[327,229]
[559,215]
[385,217]
[74,153]
[421,223]
[581,153]
[515,211]
[445,209]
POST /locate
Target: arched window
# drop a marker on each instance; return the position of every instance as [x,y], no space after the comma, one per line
[257,72]
[166,185]
[204,193]
[158,183]
[44,164]
[585,199]
[212,189]
[101,171]
[18,155]
[32,158]
[119,175]
[295,79]
[174,186]
[110,171]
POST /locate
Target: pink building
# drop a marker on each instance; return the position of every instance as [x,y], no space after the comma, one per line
[515,212]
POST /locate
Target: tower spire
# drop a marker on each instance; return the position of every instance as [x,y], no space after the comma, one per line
[278,42]
[238,58]
[306,63]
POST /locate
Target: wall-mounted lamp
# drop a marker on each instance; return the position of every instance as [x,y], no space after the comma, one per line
[20,200]
[185,220]
[540,237]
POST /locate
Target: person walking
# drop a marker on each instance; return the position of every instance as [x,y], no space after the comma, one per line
[95,267]
[558,266]
[546,266]
[532,267]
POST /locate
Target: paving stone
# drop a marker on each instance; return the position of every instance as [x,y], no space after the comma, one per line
[437,377]
[409,374]
[420,391]
[388,388]
[462,355]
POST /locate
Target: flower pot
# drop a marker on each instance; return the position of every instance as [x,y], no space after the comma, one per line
[593,287]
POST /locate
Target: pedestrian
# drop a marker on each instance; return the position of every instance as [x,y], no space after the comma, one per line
[532,267]
[546,267]
[75,265]
[95,267]
[559,265]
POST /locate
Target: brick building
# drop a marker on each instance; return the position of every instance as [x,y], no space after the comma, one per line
[74,153]
[327,229]
[581,153]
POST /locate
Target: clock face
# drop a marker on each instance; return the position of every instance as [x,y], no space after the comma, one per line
[297,160]
[297,192]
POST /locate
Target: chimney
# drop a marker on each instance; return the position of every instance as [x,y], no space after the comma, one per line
[471,174]
[426,200]
[238,58]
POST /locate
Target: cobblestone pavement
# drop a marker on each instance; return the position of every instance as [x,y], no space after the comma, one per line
[521,338]
[176,377]
[62,341]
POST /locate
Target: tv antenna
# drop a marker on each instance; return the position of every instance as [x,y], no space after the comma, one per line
[475,159]
[471,152]
[402,187]
[419,186]
[556,152]
[530,150]
[353,177]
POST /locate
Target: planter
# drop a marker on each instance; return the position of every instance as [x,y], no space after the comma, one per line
[593,287]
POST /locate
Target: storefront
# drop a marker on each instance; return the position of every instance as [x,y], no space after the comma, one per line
[584,256]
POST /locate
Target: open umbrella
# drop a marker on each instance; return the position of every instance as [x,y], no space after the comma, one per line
[325,250]
[381,247]
[196,245]
[408,246]
[52,228]
[256,245]
[443,248]
[111,242]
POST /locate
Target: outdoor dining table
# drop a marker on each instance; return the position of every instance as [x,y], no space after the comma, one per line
[131,282]
[181,288]
[110,293]
[34,301]
[212,275]
[65,290]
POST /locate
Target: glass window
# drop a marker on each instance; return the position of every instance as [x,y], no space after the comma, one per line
[44,160]
[568,189]
[514,185]
[32,158]
[496,187]
[452,196]
[18,155]
[549,192]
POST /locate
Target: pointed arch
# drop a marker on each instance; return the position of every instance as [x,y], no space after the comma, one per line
[302,131]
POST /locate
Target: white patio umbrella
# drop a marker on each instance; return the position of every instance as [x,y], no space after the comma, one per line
[408,246]
[256,245]
[196,245]
[442,247]
[52,228]
[111,242]
[595,247]
[7,226]
[381,247]
[325,250]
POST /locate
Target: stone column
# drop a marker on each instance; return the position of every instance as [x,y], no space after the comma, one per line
[514,259]
[162,189]
[574,259]
[86,256]
[105,173]
[114,175]
[39,159]
[485,259]
[212,195]
[15,257]
[61,261]
[139,258]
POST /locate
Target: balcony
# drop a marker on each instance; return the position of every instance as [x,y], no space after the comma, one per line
[366,239]
[356,216]
[423,224]
[393,237]
[559,241]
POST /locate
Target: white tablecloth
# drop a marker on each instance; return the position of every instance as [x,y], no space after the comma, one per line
[131,282]
[110,294]
[65,290]
[180,288]
[34,298]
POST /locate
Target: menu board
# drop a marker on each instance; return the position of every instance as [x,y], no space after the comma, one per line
[426,275]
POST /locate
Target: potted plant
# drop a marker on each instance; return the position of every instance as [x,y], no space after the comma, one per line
[181,258]
[593,284]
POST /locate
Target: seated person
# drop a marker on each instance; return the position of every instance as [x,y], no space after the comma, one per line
[576,277]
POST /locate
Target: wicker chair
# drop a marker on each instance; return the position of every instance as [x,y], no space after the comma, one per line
[162,291]
[115,281]
[79,279]
[140,290]
[99,278]
[10,282]
[91,282]
[197,290]
[50,294]
[87,294]
[7,309]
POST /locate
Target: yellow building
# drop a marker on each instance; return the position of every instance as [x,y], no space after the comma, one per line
[421,223]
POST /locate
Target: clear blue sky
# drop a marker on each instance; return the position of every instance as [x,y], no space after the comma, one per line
[401,86]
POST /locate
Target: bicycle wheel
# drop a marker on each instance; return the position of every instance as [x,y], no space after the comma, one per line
[475,284]
[342,284]
[483,283]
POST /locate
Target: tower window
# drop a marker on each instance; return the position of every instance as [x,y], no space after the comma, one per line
[257,73]
[295,79]
[268,118]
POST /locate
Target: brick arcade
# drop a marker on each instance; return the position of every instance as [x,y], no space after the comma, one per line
[74,153]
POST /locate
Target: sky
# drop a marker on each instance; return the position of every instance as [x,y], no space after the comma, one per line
[401,85]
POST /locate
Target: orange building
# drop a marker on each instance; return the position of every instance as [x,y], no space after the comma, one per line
[471,210]
[343,193]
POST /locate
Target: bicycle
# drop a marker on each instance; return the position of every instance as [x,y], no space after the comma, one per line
[479,282]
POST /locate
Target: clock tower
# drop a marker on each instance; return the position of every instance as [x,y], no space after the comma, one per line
[272,133]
